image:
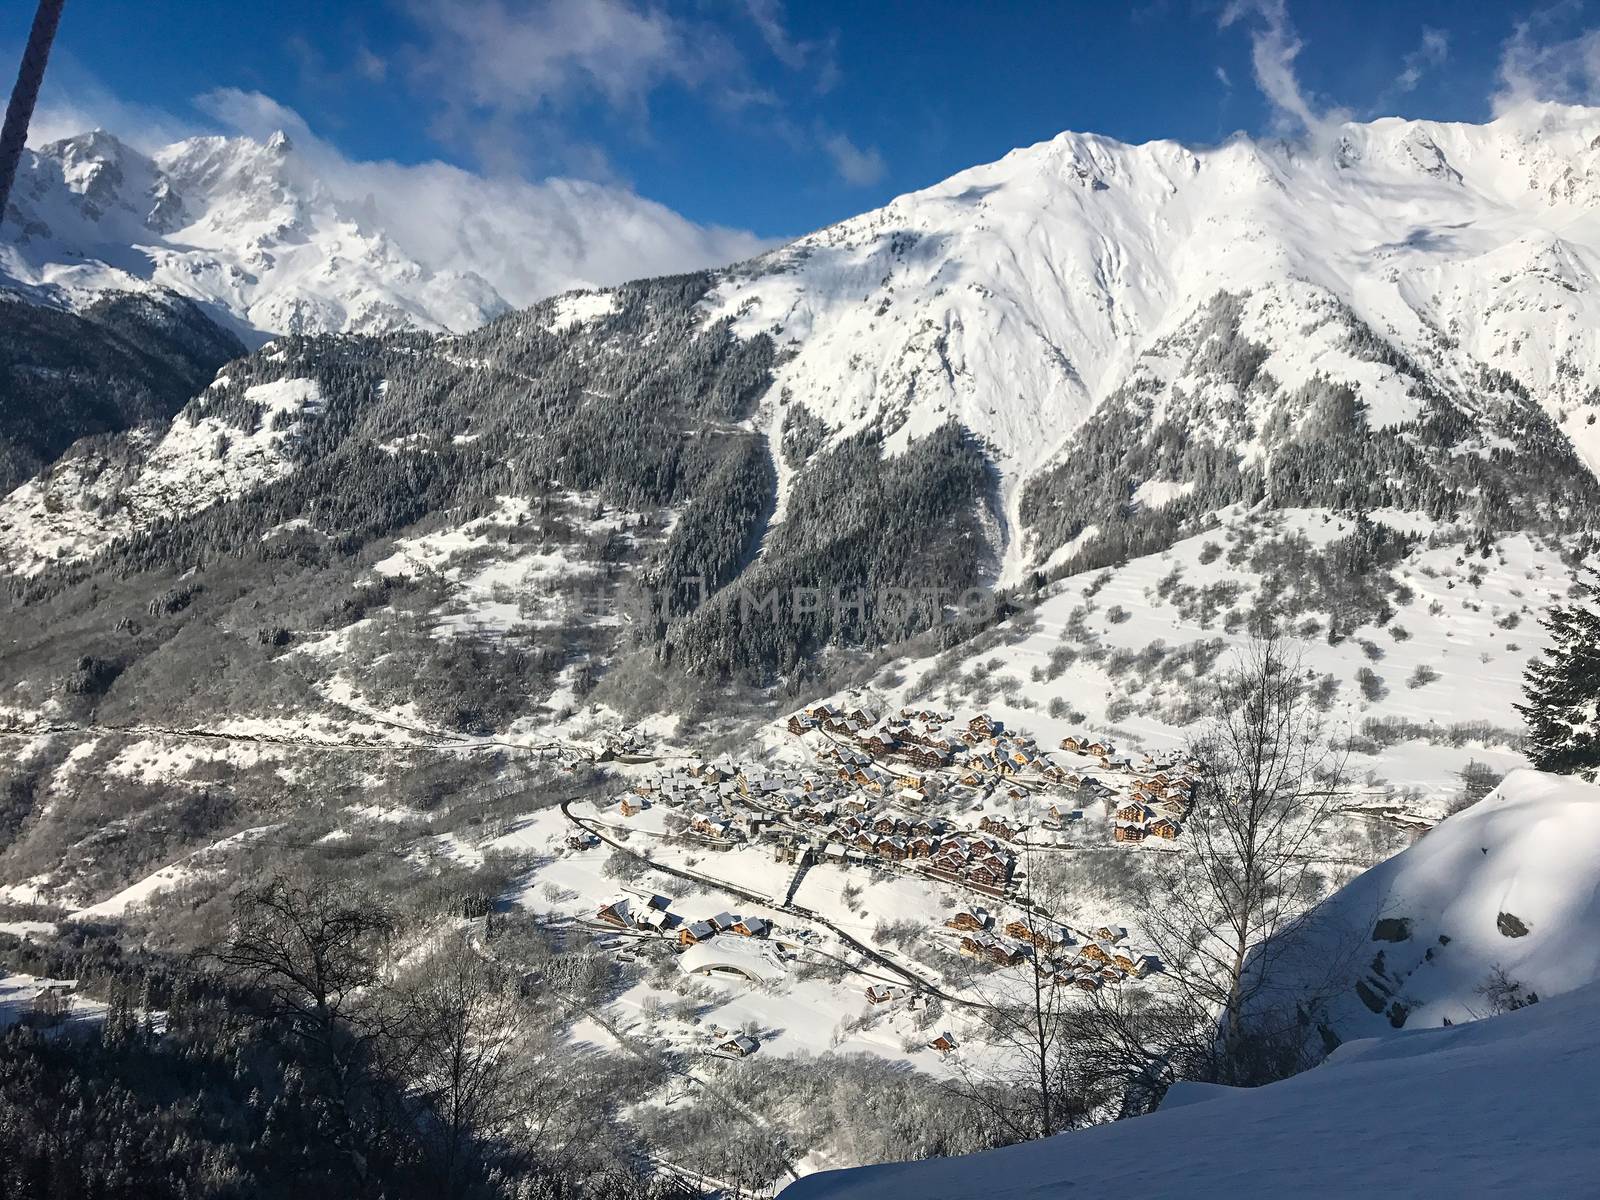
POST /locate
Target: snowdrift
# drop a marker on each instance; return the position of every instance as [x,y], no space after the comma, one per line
[1510,885]
[1500,1105]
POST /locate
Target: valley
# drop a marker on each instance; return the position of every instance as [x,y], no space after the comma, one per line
[542,654]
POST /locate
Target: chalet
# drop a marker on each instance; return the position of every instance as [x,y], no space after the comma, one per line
[987,876]
[1072,743]
[930,756]
[1095,952]
[617,911]
[867,842]
[725,921]
[1098,748]
[944,1043]
[632,806]
[799,723]
[884,825]
[1128,833]
[881,994]
[1134,813]
[1110,933]
[983,726]
[821,712]
[1131,961]
[894,849]
[711,827]
[1163,827]
[969,920]
[998,826]
[581,839]
[973,947]
[834,852]
[1041,936]
[752,927]
[1006,955]
[921,846]
[654,919]
[741,1046]
[879,744]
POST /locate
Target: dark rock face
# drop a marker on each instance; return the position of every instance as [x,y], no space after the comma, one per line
[1392,929]
[1369,996]
[1511,925]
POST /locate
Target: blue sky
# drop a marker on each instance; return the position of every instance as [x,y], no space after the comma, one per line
[781,117]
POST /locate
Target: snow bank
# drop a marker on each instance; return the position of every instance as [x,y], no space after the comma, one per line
[1498,1106]
[1511,883]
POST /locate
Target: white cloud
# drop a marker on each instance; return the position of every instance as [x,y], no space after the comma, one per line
[1432,52]
[856,166]
[1533,68]
[1222,77]
[1274,46]
[528,239]
[503,56]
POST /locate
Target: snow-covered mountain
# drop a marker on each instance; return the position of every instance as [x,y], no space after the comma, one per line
[245,228]
[1407,257]
[1352,387]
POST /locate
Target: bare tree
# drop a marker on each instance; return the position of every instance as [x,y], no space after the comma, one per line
[1266,777]
[1025,1012]
[313,953]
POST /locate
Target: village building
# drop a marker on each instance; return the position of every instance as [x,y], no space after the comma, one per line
[968,920]
[696,931]
[740,1047]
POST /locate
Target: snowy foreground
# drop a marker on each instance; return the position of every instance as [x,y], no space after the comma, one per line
[1511,884]
[1432,1109]
[1503,1105]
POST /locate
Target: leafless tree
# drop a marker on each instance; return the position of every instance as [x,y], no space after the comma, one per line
[1219,914]
[314,954]
[1025,1012]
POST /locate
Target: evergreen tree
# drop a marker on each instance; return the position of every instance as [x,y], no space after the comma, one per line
[1563,687]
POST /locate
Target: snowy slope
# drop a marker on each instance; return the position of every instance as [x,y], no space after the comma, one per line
[1511,883]
[1502,1106]
[1017,295]
[87,499]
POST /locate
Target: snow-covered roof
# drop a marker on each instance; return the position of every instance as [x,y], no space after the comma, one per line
[732,954]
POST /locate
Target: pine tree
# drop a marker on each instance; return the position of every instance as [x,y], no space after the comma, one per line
[1563,687]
